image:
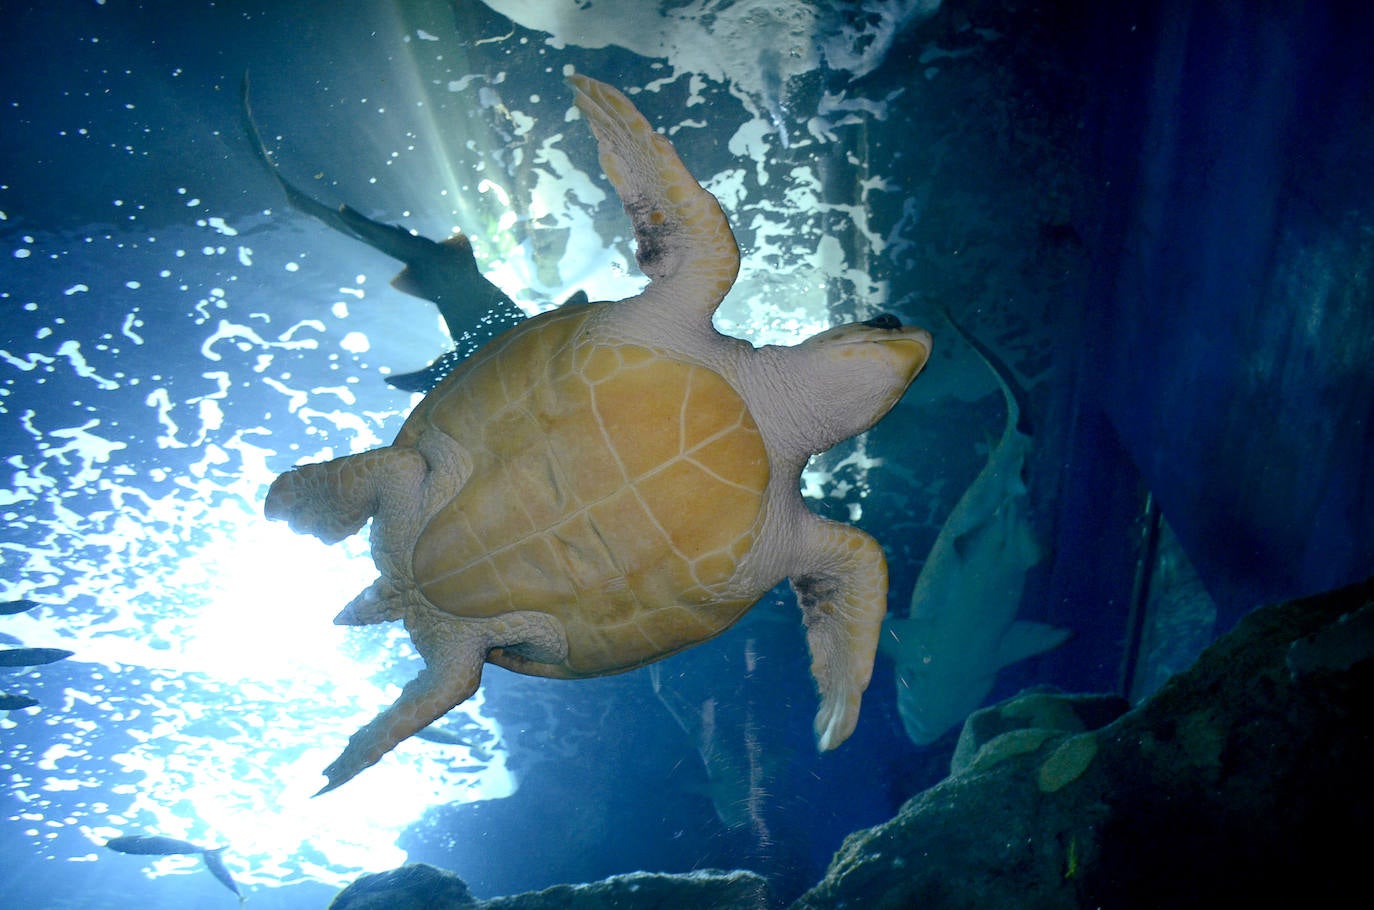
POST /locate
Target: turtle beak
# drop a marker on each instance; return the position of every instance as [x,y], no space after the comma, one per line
[906,349]
[911,347]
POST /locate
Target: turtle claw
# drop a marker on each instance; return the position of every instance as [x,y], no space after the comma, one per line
[362,752]
[337,774]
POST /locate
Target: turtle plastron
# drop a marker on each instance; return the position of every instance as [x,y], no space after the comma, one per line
[843,598]
[610,483]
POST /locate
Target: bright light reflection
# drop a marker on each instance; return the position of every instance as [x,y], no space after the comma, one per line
[267,681]
[246,690]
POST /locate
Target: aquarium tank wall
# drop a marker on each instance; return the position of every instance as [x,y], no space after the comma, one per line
[237,237]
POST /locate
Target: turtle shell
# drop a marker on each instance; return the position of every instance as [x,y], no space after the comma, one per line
[613,487]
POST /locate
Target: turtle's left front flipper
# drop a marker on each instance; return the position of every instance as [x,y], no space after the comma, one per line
[843,597]
[683,240]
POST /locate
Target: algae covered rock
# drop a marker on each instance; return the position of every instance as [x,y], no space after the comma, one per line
[1024,721]
[422,887]
[417,886]
[701,890]
[1242,780]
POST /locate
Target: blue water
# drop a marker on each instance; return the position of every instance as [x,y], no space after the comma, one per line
[173,335]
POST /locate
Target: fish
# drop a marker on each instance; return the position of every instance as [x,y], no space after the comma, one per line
[962,628]
[152,845]
[160,845]
[422,381]
[31,657]
[11,607]
[463,733]
[10,702]
[443,272]
[214,861]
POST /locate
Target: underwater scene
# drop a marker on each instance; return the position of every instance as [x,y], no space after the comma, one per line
[971,504]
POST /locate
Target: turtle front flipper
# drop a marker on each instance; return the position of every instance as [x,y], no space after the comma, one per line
[843,598]
[454,650]
[334,499]
[684,240]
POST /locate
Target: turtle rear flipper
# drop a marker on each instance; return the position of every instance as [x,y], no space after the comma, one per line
[454,650]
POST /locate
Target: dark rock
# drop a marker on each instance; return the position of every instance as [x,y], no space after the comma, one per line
[707,890]
[416,886]
[423,887]
[1244,779]
[1030,717]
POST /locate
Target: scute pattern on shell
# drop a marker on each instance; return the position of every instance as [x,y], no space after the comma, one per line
[613,487]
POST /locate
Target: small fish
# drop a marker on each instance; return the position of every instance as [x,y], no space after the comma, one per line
[10,702]
[159,845]
[31,657]
[442,737]
[152,845]
[214,861]
[10,607]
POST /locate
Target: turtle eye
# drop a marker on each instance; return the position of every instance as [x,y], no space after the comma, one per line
[885,321]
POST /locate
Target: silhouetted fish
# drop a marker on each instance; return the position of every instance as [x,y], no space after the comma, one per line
[10,607]
[10,702]
[31,657]
[442,737]
[443,272]
[214,861]
[467,734]
[158,845]
[152,845]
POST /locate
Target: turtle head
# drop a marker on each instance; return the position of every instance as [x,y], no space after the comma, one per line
[855,373]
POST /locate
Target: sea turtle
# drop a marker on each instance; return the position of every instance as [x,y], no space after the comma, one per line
[610,483]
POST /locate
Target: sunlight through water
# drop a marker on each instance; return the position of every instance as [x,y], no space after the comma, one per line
[159,373]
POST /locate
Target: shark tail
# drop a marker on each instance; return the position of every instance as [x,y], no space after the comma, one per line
[1018,409]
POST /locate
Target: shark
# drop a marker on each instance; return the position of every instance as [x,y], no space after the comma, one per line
[961,628]
[443,272]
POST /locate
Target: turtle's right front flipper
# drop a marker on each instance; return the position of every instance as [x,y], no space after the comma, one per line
[843,597]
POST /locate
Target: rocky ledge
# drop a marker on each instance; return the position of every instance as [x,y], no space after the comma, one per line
[1245,779]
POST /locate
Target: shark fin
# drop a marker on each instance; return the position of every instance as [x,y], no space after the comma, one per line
[458,242]
[423,381]
[1026,639]
[963,544]
[406,282]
